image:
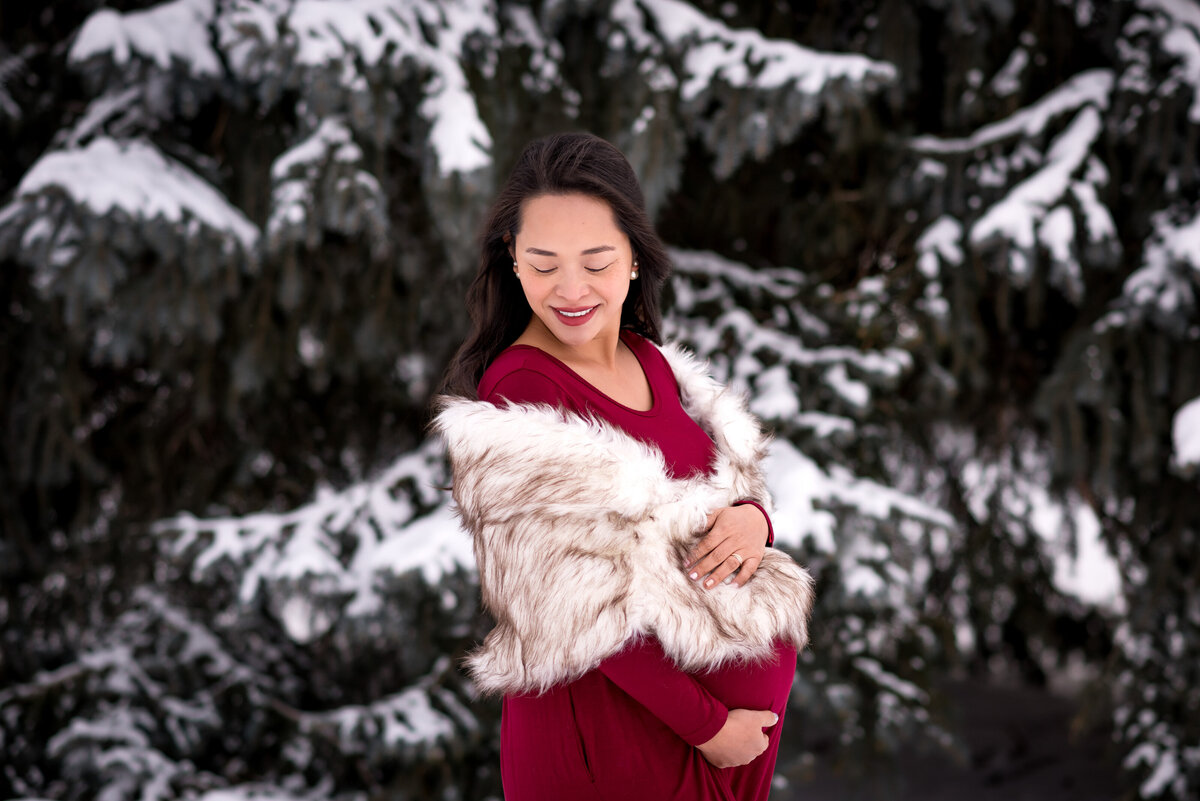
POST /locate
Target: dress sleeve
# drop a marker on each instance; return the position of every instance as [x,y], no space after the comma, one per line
[674,697]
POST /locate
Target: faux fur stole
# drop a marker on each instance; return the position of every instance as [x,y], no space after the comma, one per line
[580,536]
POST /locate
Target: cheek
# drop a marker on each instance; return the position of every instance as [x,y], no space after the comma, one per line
[534,291]
[620,290]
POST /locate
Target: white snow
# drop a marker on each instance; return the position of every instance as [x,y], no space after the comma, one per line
[1098,221]
[136,178]
[774,395]
[1089,571]
[941,240]
[890,681]
[1092,87]
[743,57]
[1162,757]
[254,792]
[1016,216]
[1083,567]
[281,552]
[804,492]
[360,46]
[434,545]
[546,53]
[100,111]
[824,425]
[1007,80]
[459,137]
[300,210]
[1056,233]
[854,392]
[1172,252]
[1181,39]
[407,717]
[1185,436]
[381,33]
[797,484]
[173,32]
[332,136]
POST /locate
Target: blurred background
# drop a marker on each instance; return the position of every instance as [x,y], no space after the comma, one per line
[949,248]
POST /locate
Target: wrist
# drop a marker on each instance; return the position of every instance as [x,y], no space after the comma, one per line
[770,538]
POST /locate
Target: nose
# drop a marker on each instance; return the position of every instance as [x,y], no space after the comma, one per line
[572,285]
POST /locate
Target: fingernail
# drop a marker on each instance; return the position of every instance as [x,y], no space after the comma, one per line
[708,583]
[776,718]
[693,576]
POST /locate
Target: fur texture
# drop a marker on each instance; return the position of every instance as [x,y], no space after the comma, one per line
[580,536]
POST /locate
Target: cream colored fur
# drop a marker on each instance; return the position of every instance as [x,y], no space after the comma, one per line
[580,536]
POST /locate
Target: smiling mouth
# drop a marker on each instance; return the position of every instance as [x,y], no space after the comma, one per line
[579,313]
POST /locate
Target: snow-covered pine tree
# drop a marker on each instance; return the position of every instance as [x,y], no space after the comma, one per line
[957,275]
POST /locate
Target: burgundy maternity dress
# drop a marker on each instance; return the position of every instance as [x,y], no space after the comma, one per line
[628,729]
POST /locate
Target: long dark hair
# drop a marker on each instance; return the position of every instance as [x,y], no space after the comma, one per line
[556,165]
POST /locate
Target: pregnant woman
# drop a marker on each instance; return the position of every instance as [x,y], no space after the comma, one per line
[646,632]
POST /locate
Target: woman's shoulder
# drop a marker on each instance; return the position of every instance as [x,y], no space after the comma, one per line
[522,374]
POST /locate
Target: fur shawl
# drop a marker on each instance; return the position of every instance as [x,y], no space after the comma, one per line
[580,535]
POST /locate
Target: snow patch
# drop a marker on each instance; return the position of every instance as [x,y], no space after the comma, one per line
[337,547]
[744,57]
[941,241]
[139,180]
[1185,436]
[174,32]
[1015,218]
[1092,87]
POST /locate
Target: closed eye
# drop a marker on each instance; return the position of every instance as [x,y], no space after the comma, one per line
[599,269]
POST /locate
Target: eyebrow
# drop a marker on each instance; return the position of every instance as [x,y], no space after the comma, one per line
[588,252]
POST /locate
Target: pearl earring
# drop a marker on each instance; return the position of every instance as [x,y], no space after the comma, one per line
[633,274]
[517,274]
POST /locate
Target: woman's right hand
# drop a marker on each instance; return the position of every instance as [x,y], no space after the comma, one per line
[741,739]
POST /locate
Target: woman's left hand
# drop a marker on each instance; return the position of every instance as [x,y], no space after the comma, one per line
[740,530]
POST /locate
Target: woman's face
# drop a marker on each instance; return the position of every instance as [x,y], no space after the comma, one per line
[574,265]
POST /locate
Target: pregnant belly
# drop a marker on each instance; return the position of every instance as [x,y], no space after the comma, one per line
[757,686]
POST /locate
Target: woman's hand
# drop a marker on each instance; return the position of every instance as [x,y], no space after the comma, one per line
[740,530]
[741,739]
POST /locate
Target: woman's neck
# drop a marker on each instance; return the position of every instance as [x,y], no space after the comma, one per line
[598,354]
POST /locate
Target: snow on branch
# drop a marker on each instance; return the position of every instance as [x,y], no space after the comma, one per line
[136,179]
[346,57]
[1165,287]
[1022,201]
[85,219]
[1177,22]
[746,59]
[781,85]
[1010,489]
[407,725]
[326,560]
[705,279]
[145,690]
[1185,436]
[807,493]
[1023,217]
[320,184]
[1092,87]
[770,360]
[169,34]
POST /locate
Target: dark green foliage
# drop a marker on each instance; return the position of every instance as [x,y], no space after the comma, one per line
[956,269]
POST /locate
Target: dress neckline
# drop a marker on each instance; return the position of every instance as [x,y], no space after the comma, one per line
[626,337]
